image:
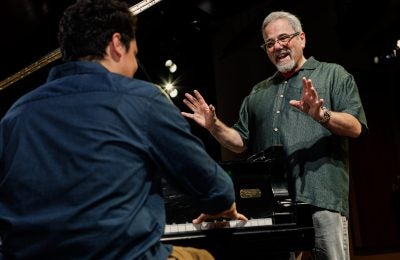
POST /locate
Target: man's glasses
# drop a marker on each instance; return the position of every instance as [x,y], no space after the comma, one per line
[282,39]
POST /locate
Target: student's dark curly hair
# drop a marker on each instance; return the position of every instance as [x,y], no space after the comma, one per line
[87,26]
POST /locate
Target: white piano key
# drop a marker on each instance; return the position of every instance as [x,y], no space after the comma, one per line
[181,227]
[167,229]
[191,227]
[174,228]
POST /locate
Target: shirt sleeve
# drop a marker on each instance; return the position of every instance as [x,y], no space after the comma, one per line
[347,98]
[243,122]
[182,156]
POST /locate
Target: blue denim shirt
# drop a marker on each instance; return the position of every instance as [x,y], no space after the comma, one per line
[317,160]
[81,164]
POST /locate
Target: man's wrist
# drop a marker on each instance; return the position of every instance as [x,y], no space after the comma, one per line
[212,128]
[326,116]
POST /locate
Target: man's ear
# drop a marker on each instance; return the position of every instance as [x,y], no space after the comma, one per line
[303,39]
[115,47]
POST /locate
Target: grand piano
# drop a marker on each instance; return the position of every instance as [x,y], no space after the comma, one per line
[276,225]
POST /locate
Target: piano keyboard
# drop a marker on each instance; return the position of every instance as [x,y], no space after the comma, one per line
[189,227]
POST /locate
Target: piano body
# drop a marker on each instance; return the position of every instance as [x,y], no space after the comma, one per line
[276,225]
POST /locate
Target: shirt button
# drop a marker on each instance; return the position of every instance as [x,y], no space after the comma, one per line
[281,95]
[278,111]
[276,129]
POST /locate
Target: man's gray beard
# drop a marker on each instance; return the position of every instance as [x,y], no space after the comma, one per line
[286,67]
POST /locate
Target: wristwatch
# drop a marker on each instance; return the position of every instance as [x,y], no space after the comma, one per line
[327,115]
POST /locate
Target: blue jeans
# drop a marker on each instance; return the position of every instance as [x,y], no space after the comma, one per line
[331,235]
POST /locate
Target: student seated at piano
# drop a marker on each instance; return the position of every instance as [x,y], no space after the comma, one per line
[83,156]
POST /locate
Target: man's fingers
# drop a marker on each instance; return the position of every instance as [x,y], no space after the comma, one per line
[192,99]
[307,83]
[189,104]
[188,115]
[199,96]
[200,219]
[296,104]
[241,217]
[203,217]
[188,96]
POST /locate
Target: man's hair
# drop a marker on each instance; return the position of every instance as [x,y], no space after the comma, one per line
[291,18]
[87,26]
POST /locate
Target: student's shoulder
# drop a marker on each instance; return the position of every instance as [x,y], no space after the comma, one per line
[144,89]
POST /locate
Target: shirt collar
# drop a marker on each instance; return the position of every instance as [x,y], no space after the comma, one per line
[310,64]
[75,67]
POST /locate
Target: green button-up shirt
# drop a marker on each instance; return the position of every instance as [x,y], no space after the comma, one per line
[317,159]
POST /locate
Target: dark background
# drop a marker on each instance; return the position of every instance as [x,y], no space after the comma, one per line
[215,46]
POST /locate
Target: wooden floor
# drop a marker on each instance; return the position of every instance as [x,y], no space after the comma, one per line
[393,256]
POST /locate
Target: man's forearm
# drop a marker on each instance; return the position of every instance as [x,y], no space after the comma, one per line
[227,137]
[344,124]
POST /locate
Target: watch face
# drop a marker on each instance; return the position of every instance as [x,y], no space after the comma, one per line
[326,116]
